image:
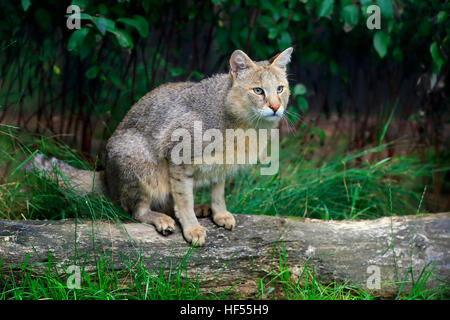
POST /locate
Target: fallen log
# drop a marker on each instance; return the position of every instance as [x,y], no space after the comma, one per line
[352,252]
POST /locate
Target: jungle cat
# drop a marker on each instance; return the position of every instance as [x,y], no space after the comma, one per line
[139,172]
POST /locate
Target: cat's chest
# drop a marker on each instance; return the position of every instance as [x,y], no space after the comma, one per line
[217,166]
[206,173]
[236,150]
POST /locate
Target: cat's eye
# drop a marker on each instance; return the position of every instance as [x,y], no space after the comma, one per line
[280,89]
[258,91]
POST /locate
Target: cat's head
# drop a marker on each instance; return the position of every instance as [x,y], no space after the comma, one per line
[260,90]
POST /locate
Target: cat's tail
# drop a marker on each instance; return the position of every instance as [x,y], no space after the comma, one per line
[81,181]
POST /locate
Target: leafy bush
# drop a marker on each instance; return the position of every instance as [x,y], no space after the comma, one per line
[125,48]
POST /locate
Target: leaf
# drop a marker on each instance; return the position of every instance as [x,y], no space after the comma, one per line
[116,81]
[334,67]
[80,3]
[92,72]
[123,38]
[346,2]
[26,4]
[381,43]
[56,69]
[77,38]
[302,104]
[350,14]
[265,21]
[295,17]
[397,54]
[138,22]
[424,28]
[299,89]
[146,5]
[143,26]
[284,12]
[196,75]
[325,8]
[386,8]
[267,5]
[437,59]
[284,41]
[103,24]
[441,16]
[319,132]
[100,23]
[243,34]
[273,32]
[84,16]
[175,72]
[293,114]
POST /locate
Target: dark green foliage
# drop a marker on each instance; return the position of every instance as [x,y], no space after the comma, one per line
[124,48]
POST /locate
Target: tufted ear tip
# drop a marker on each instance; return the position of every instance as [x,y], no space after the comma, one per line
[282,59]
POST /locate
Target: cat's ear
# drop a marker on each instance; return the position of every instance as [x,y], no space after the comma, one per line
[282,59]
[239,63]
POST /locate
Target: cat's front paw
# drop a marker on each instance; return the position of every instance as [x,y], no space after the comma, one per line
[224,219]
[195,235]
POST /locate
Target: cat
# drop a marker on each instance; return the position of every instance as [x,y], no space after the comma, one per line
[140,173]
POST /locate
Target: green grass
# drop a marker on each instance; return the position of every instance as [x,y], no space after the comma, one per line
[302,285]
[137,282]
[362,185]
[339,187]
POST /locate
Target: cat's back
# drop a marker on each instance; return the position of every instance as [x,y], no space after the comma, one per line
[168,91]
[173,100]
[188,94]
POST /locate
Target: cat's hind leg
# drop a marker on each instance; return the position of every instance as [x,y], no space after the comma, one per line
[162,222]
[202,210]
[137,180]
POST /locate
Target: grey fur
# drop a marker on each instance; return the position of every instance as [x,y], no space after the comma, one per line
[140,174]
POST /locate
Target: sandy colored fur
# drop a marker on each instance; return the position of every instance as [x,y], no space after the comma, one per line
[140,174]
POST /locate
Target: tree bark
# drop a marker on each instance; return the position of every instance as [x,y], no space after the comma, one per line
[348,251]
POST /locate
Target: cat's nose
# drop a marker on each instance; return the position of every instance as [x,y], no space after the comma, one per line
[274,108]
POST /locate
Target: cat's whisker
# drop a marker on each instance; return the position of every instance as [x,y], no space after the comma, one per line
[291,128]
